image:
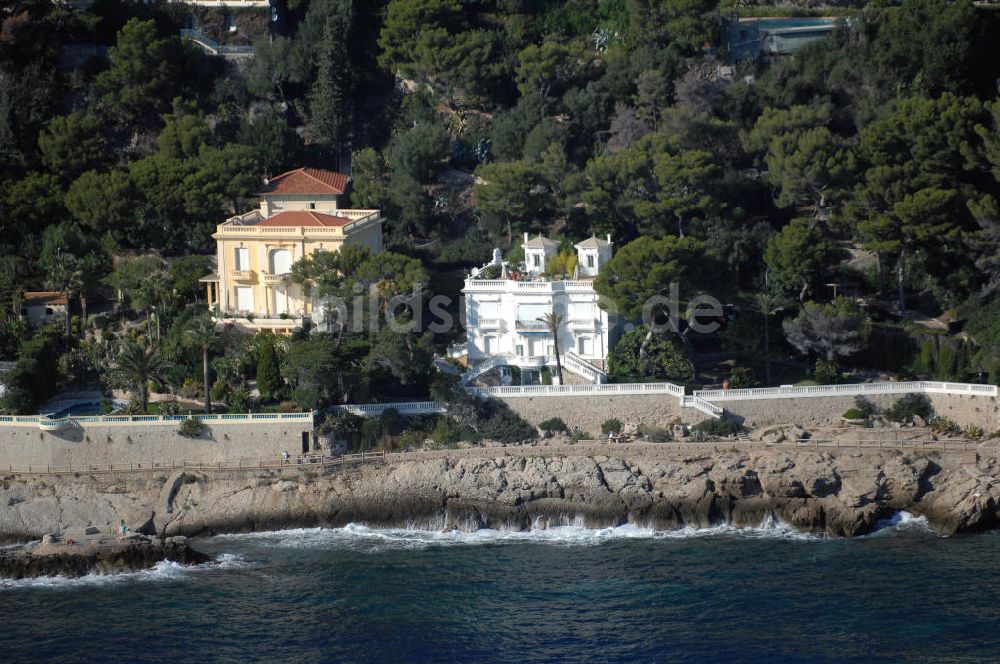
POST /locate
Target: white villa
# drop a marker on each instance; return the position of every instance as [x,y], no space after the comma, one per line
[299,214]
[502,315]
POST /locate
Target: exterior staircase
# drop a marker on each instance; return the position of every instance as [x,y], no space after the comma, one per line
[582,367]
[570,361]
[484,366]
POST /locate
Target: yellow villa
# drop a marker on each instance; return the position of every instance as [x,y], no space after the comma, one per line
[299,214]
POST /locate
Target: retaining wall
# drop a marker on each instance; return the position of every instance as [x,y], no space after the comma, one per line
[82,444]
[825,411]
[588,412]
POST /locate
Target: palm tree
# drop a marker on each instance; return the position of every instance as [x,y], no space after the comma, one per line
[554,321]
[201,333]
[767,304]
[66,277]
[140,363]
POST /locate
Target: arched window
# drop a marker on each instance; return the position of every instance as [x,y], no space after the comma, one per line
[281,261]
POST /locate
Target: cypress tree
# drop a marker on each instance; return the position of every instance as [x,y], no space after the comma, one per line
[268,371]
[330,103]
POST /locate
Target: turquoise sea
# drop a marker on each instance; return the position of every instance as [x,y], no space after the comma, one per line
[559,594]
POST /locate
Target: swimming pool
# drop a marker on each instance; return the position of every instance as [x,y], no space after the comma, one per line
[84,409]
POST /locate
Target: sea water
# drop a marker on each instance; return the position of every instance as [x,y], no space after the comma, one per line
[557,593]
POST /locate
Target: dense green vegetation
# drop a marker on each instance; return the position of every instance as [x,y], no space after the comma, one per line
[870,159]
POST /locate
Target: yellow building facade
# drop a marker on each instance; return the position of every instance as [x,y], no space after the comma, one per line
[299,215]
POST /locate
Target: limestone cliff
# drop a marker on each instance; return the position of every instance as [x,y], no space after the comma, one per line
[843,492]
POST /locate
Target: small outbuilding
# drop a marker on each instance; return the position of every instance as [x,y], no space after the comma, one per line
[44,307]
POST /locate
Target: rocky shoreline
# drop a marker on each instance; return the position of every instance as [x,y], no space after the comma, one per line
[841,492]
[80,552]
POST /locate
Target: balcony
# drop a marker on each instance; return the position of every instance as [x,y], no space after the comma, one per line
[588,324]
[538,287]
[242,275]
[525,362]
[488,324]
[531,326]
[275,279]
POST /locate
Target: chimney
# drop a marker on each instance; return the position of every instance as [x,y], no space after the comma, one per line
[526,237]
[609,238]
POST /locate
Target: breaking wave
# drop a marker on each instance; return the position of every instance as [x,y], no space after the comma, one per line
[163,571]
[562,532]
[902,522]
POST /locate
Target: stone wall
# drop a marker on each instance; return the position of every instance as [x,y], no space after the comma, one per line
[825,411]
[21,446]
[588,412]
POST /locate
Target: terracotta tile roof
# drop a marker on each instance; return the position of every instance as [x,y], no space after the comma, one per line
[304,218]
[306,181]
[44,298]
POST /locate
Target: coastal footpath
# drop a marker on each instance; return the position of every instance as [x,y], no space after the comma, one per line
[844,492]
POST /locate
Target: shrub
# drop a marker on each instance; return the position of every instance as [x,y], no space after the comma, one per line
[546,374]
[742,377]
[853,414]
[553,424]
[192,428]
[445,433]
[219,390]
[865,407]
[827,372]
[973,432]
[721,428]
[612,425]
[342,426]
[169,407]
[191,389]
[909,406]
[664,356]
[943,425]
[496,421]
[371,434]
[289,407]
[655,434]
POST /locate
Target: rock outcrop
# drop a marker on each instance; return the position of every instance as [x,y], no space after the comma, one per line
[842,492]
[90,552]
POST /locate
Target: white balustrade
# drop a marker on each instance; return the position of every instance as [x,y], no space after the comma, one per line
[849,389]
[577,390]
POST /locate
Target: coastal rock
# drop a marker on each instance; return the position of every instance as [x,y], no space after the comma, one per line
[94,553]
[843,492]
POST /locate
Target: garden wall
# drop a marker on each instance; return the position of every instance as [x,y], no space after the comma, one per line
[827,411]
[588,412]
[102,444]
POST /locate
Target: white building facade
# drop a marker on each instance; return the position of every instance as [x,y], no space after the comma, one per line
[503,315]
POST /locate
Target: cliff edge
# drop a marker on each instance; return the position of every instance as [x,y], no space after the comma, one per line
[842,492]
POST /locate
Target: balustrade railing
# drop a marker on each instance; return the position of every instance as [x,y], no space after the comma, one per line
[849,389]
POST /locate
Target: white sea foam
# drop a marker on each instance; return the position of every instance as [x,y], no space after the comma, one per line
[163,571]
[902,522]
[563,532]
